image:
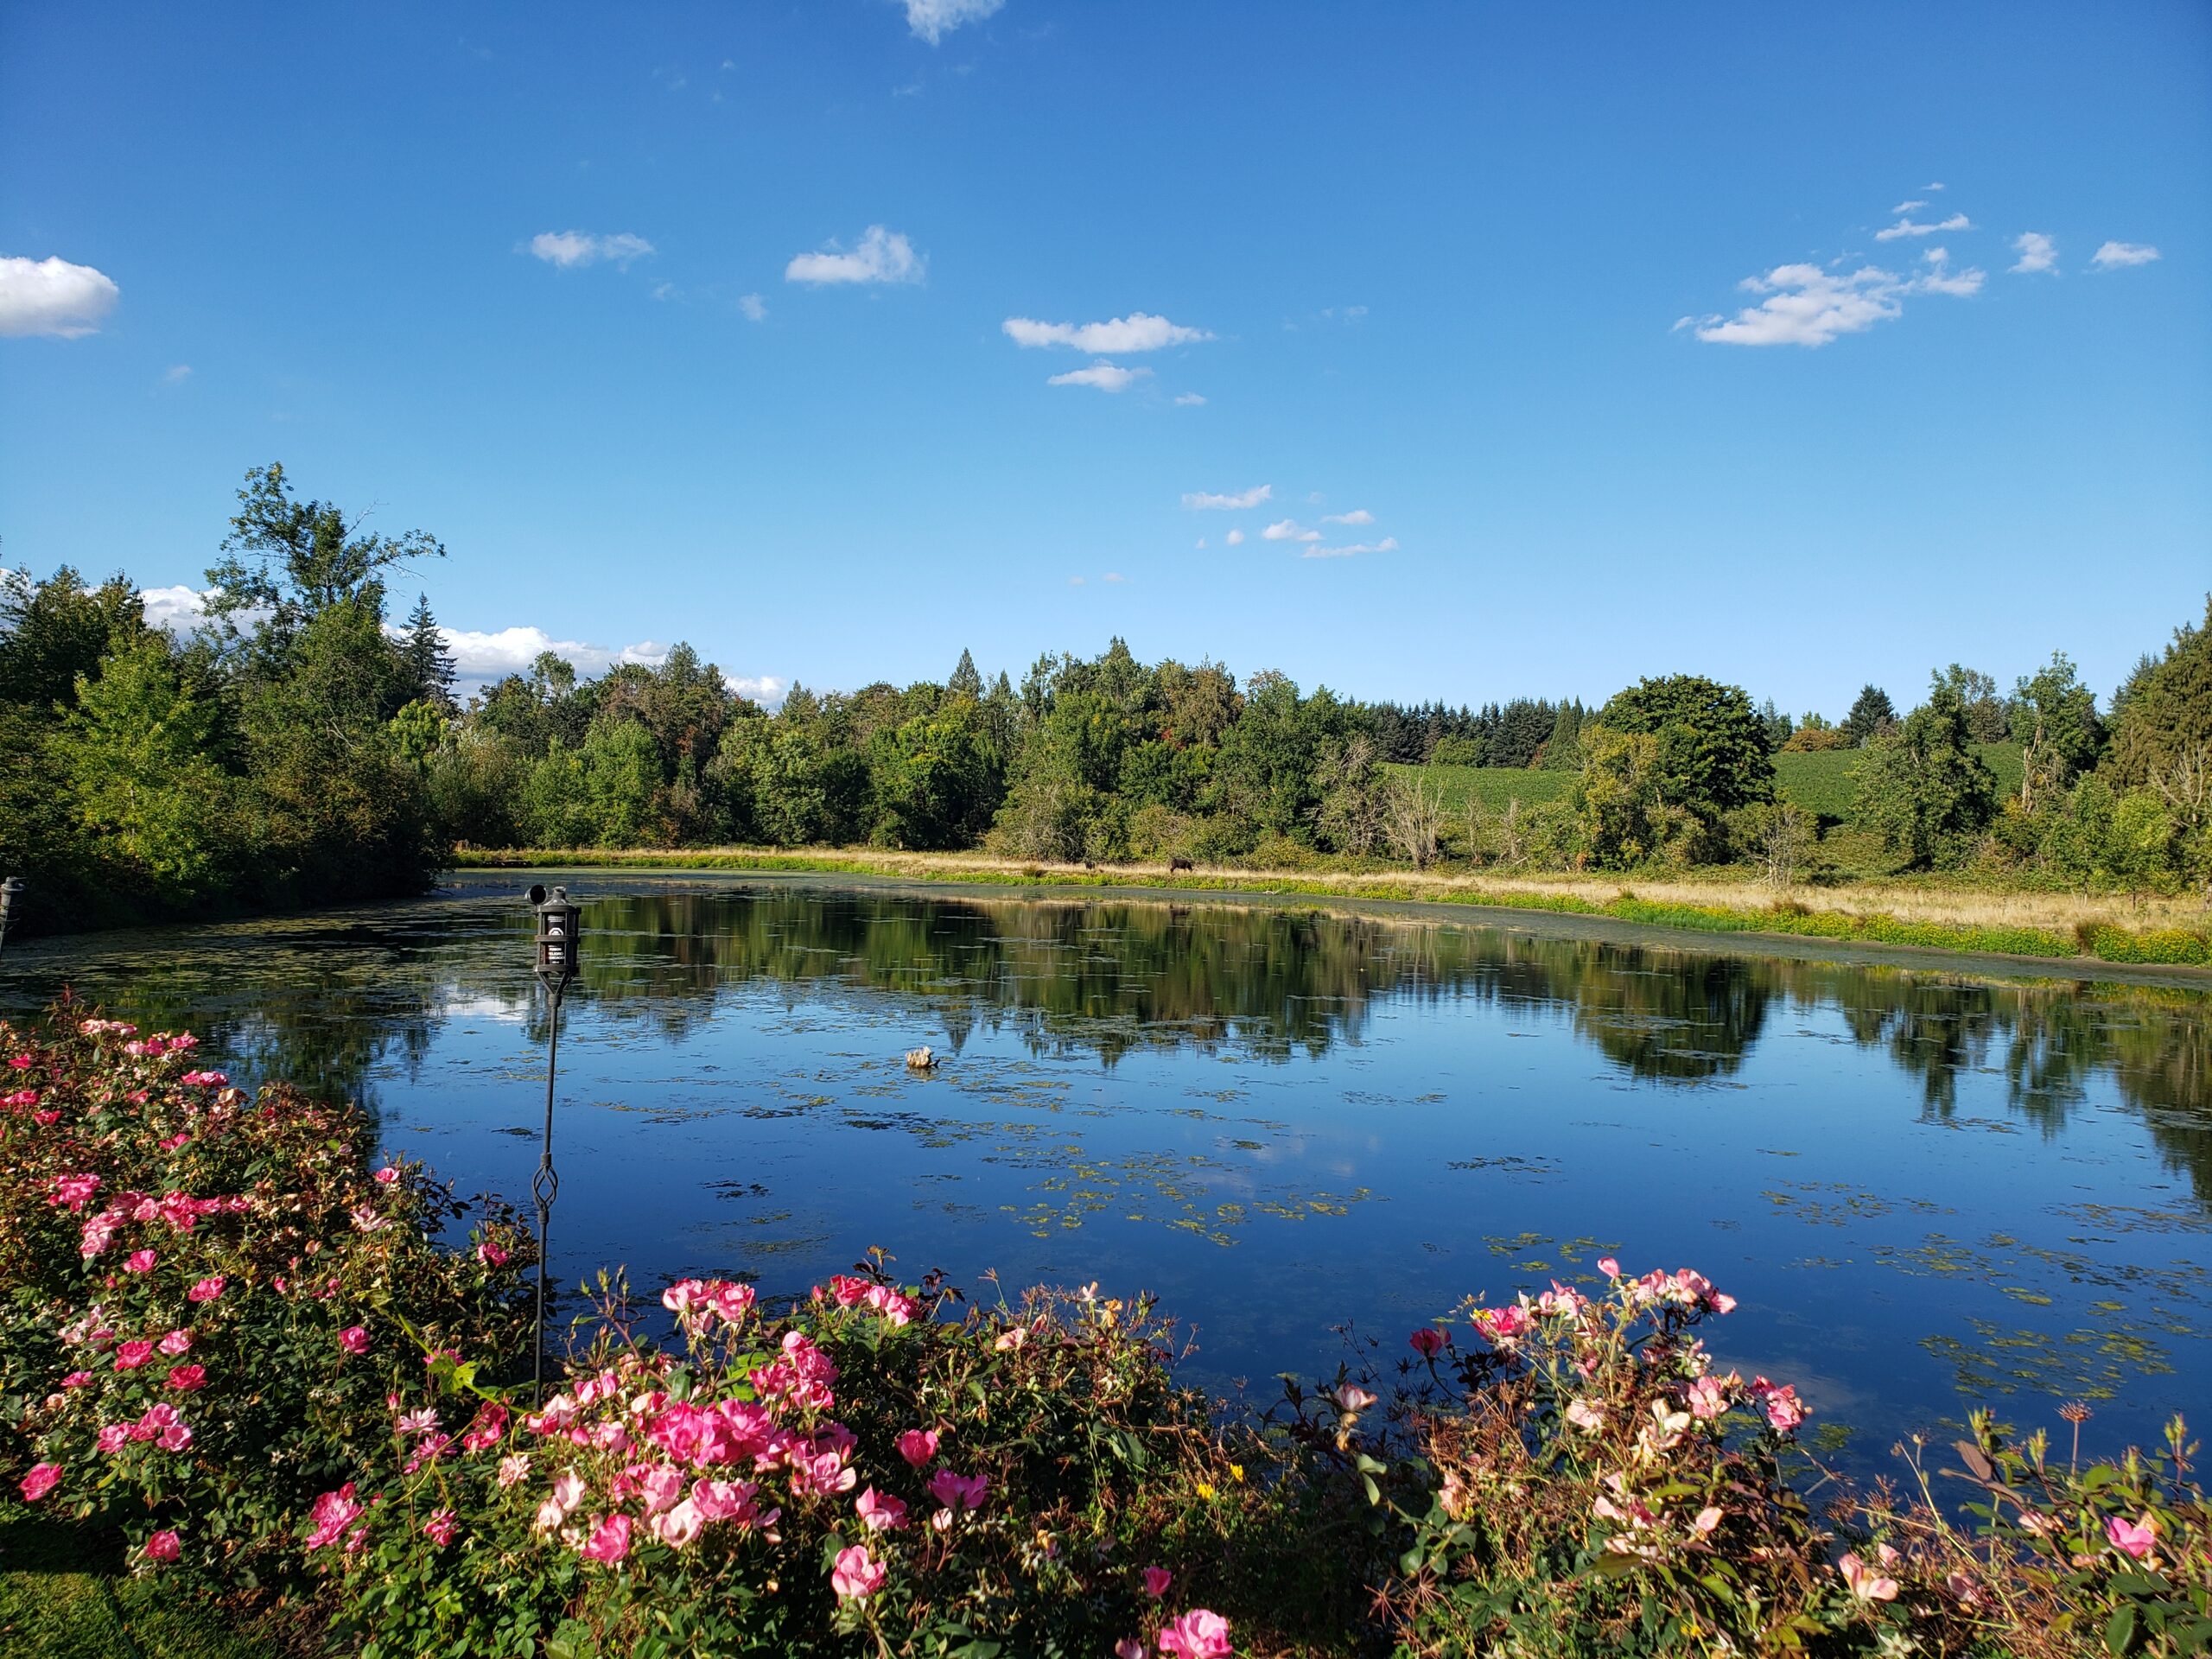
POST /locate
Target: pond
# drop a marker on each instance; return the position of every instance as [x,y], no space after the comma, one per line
[1930,1185]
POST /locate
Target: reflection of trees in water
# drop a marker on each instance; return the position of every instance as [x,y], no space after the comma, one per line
[322,1002]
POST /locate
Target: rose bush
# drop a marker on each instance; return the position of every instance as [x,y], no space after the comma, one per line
[182,1264]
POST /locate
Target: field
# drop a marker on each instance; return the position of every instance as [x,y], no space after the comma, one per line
[1822,782]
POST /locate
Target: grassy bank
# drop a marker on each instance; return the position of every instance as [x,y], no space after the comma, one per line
[2058,926]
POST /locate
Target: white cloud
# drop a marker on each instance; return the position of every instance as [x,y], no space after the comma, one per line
[1107,376]
[932,19]
[752,307]
[1234,538]
[1200,501]
[1075,581]
[1910,227]
[766,689]
[1116,575]
[1932,186]
[1138,332]
[180,610]
[2036,251]
[568,249]
[882,257]
[1357,515]
[52,296]
[2113,255]
[511,651]
[1289,530]
[1388,544]
[1806,306]
[176,374]
[1202,543]
[1940,278]
[1908,206]
[1188,400]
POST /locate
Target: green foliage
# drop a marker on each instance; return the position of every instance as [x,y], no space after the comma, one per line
[1923,787]
[1872,714]
[2163,714]
[1669,759]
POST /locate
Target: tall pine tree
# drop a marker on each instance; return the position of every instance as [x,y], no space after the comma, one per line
[427,660]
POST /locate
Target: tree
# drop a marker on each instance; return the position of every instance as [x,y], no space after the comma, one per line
[1987,719]
[965,681]
[1709,756]
[1871,715]
[1923,788]
[55,633]
[294,559]
[1782,836]
[430,666]
[1412,818]
[1778,726]
[2055,717]
[140,776]
[2167,708]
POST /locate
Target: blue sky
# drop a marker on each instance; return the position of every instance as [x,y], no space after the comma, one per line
[740,324]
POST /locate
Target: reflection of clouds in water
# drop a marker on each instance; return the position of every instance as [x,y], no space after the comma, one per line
[454,1003]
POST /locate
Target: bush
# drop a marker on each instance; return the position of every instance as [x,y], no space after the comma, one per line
[209,1295]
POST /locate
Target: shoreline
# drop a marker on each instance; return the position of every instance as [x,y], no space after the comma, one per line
[1684,907]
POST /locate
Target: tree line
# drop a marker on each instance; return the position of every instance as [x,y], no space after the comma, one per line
[299,749]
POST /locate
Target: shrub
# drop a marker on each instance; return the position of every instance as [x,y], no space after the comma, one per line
[209,1295]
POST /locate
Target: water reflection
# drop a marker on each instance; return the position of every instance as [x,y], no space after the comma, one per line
[326,1003]
[1918,1180]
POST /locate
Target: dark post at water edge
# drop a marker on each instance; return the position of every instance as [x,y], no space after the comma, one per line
[558,944]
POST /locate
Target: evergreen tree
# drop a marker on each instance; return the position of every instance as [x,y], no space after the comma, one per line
[965,681]
[1923,787]
[1874,713]
[429,662]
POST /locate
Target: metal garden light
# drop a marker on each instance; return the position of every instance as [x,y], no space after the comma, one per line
[558,936]
[9,889]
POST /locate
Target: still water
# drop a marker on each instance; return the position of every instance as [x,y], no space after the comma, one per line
[1929,1188]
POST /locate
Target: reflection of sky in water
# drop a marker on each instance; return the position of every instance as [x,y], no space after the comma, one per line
[1279,1121]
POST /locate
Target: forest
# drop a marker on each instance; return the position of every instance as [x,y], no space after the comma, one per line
[303,746]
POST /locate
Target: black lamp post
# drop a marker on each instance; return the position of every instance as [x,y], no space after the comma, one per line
[9,889]
[557,938]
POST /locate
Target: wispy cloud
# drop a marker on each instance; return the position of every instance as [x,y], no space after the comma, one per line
[1940,278]
[1114,575]
[1388,544]
[1244,500]
[1188,400]
[176,374]
[754,308]
[2113,255]
[1234,538]
[1289,530]
[1910,227]
[1357,515]
[882,257]
[1908,206]
[1107,376]
[932,20]
[52,297]
[568,249]
[2036,251]
[1138,332]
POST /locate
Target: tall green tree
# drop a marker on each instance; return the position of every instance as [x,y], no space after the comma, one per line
[430,666]
[1872,713]
[1709,756]
[1923,786]
[2055,718]
[2166,713]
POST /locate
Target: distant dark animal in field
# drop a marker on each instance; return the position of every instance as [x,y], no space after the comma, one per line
[1088,865]
[1175,864]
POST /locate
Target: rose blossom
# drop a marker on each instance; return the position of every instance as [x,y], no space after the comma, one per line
[206,1290]
[186,1378]
[1198,1635]
[1156,1580]
[439,1528]
[131,1355]
[164,1546]
[609,1542]
[139,1262]
[42,1479]
[354,1339]
[918,1446]
[856,1575]
[1427,1342]
[879,1513]
[176,1343]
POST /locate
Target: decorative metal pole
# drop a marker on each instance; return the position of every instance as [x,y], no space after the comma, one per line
[9,889]
[558,931]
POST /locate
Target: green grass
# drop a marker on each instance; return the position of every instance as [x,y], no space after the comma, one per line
[1822,781]
[63,1596]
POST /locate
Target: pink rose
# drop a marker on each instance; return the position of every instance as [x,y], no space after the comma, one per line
[131,1355]
[1353,1398]
[76,1379]
[139,1262]
[879,1513]
[186,1378]
[1427,1342]
[1866,1584]
[439,1528]
[176,1343]
[42,1479]
[1609,1266]
[113,1437]
[334,1512]
[958,1492]
[1156,1580]
[164,1546]
[354,1339]
[609,1542]
[1198,1635]
[2133,1538]
[386,1176]
[918,1446]
[858,1575]
[206,1290]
